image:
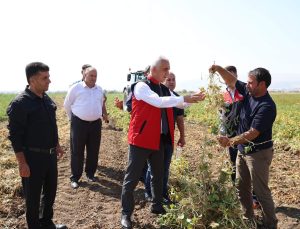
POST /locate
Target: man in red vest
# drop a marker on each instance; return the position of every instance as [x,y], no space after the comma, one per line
[151,126]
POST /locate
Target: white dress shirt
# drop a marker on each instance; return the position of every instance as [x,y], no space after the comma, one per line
[143,92]
[231,92]
[84,102]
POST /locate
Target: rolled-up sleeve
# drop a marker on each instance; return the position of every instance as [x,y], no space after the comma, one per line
[16,125]
[143,92]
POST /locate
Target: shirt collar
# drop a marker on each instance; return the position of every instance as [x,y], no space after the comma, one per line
[231,90]
[152,79]
[31,94]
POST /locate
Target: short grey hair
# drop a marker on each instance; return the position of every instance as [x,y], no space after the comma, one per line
[89,69]
[158,62]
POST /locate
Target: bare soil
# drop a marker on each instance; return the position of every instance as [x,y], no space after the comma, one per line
[97,205]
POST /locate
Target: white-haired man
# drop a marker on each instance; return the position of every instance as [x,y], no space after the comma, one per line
[84,106]
[151,125]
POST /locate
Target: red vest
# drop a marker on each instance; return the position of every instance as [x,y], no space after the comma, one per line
[145,120]
[228,99]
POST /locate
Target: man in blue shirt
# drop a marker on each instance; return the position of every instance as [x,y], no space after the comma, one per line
[254,141]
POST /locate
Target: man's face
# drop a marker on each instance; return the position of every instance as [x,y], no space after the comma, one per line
[253,86]
[161,71]
[90,78]
[41,81]
[170,82]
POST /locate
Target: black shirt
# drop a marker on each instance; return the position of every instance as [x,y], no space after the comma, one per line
[258,113]
[177,111]
[32,122]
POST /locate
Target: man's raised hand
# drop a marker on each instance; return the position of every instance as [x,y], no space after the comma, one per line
[194,98]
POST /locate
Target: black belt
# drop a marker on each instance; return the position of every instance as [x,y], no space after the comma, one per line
[39,150]
[97,120]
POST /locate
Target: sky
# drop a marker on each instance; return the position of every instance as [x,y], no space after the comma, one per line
[116,35]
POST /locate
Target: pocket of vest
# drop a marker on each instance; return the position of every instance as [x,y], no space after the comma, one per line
[142,127]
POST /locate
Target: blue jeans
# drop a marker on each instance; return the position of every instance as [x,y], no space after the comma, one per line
[168,152]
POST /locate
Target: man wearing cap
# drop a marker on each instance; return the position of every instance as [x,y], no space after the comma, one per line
[34,137]
[84,106]
[151,125]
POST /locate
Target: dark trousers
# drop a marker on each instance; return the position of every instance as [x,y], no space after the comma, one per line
[233,155]
[84,135]
[136,160]
[42,180]
[253,171]
[168,152]
[233,152]
[144,173]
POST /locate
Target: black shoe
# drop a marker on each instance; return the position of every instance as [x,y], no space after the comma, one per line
[91,179]
[56,226]
[158,210]
[167,201]
[74,184]
[60,226]
[126,222]
[148,197]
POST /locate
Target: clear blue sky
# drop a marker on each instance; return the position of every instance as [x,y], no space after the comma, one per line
[117,34]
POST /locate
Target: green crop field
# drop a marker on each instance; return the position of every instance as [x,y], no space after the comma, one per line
[4,102]
[5,99]
[286,127]
[287,124]
[200,178]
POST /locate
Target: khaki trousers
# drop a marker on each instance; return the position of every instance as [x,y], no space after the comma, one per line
[253,172]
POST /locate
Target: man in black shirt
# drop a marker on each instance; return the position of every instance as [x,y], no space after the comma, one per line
[254,141]
[34,137]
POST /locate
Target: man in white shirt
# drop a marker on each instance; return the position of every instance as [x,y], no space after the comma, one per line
[84,106]
[151,126]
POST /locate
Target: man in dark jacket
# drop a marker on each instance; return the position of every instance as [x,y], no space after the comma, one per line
[34,137]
